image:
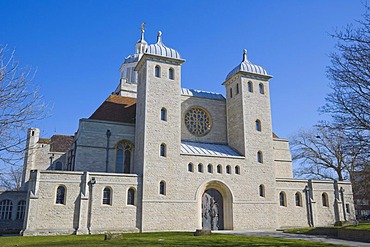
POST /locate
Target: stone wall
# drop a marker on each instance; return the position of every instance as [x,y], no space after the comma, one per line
[15,223]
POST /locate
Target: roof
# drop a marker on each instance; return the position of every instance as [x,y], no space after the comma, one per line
[247,66]
[160,49]
[208,149]
[201,94]
[60,143]
[117,109]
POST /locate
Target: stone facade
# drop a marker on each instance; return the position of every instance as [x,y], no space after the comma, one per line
[157,157]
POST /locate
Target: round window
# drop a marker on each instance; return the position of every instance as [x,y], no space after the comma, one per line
[197,121]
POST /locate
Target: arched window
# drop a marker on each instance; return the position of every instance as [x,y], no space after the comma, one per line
[210,168]
[123,157]
[219,169]
[237,170]
[162,150]
[58,166]
[298,199]
[131,196]
[6,207]
[163,114]
[250,87]
[231,92]
[237,88]
[61,194]
[157,71]
[228,169]
[282,198]
[107,196]
[200,167]
[258,125]
[190,167]
[325,200]
[171,74]
[259,157]
[162,188]
[262,89]
[262,190]
[21,209]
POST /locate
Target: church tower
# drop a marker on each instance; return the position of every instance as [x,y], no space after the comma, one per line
[158,127]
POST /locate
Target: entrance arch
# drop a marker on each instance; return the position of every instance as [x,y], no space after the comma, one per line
[215,204]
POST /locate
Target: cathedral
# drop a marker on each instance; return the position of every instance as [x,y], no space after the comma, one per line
[155,156]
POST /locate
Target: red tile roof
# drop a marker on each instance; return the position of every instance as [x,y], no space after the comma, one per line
[116,108]
[60,143]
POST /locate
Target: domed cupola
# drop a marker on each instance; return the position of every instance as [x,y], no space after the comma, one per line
[247,66]
[159,49]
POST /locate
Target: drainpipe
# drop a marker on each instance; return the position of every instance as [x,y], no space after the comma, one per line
[343,206]
[91,198]
[107,158]
[308,206]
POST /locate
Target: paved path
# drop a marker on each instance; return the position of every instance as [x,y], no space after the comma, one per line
[279,234]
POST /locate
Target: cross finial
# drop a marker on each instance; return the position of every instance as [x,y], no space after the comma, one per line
[142,27]
[245,59]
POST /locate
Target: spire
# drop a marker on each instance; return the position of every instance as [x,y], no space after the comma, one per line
[141,44]
[245,59]
[159,37]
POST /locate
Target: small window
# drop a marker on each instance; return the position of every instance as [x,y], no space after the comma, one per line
[163,151]
[258,125]
[200,167]
[259,157]
[157,71]
[228,169]
[58,166]
[6,207]
[162,188]
[262,190]
[262,89]
[325,200]
[60,197]
[282,198]
[163,114]
[347,208]
[231,92]
[21,209]
[190,167]
[107,196]
[298,199]
[171,74]
[131,196]
[219,169]
[237,170]
[210,168]
[237,88]
[250,87]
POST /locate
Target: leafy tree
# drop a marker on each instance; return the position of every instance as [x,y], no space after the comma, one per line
[20,105]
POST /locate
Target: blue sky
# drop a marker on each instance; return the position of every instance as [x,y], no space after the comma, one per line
[78,47]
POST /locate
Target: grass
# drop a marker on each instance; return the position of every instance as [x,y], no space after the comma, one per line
[308,230]
[361,226]
[177,239]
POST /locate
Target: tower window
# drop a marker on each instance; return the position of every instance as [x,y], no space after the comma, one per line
[200,167]
[259,157]
[131,196]
[262,190]
[190,167]
[282,199]
[107,196]
[210,168]
[162,188]
[157,71]
[262,89]
[258,125]
[171,74]
[325,200]
[231,92]
[163,114]
[237,170]
[237,88]
[250,87]
[162,150]
[60,197]
[298,199]
[228,169]
[219,169]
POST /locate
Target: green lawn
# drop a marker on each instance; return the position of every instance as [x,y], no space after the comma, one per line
[177,239]
[307,230]
[361,226]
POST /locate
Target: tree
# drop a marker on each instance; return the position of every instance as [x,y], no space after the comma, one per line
[12,179]
[20,105]
[326,152]
[349,73]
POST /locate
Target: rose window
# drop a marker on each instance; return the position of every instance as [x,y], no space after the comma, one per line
[197,121]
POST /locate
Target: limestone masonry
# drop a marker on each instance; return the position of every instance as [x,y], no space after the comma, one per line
[158,157]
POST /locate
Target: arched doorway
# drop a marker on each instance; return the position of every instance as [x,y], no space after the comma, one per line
[212,210]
